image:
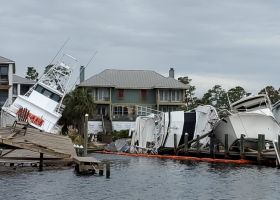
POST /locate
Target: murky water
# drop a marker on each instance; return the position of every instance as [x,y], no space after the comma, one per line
[146,178]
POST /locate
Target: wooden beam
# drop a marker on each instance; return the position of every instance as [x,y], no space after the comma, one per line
[34,147]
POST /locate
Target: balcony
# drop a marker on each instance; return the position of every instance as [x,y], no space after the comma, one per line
[102,99]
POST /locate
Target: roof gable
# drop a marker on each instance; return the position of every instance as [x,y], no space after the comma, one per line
[21,80]
[5,60]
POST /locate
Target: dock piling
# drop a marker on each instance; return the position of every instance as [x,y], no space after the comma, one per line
[85,135]
[261,141]
[41,162]
[175,144]
[186,141]
[108,173]
[226,146]
[242,146]
[212,155]
[198,145]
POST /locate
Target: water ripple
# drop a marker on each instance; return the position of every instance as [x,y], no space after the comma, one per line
[145,178]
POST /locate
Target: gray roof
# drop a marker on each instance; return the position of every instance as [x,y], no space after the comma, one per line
[132,79]
[21,80]
[5,60]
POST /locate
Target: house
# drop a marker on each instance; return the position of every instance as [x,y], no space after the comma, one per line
[7,69]
[117,93]
[21,85]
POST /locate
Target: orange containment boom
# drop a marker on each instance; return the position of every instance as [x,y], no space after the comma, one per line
[210,160]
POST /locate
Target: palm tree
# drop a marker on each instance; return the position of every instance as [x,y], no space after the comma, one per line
[77,103]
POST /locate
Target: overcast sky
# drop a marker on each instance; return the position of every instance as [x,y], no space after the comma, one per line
[227,42]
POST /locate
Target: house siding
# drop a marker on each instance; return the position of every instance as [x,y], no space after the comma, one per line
[133,96]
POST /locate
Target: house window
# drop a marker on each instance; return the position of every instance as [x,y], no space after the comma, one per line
[102,94]
[143,94]
[3,97]
[117,110]
[164,95]
[15,89]
[120,110]
[4,74]
[24,89]
[120,93]
[176,95]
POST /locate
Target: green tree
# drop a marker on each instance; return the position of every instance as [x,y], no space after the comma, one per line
[216,97]
[189,99]
[272,93]
[236,93]
[47,68]
[32,74]
[77,103]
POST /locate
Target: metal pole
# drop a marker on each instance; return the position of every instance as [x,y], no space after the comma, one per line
[85,135]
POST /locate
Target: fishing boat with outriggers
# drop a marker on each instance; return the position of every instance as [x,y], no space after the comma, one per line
[249,117]
[44,99]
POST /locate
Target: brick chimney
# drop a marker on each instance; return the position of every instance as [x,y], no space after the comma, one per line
[171,72]
[82,74]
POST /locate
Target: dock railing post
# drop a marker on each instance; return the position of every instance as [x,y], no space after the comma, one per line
[175,144]
[226,146]
[242,146]
[85,135]
[186,141]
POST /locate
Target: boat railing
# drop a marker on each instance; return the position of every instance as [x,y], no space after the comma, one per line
[60,108]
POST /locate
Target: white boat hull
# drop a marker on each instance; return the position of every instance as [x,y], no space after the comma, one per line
[40,118]
[248,123]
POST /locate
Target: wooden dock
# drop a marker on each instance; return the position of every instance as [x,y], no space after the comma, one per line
[29,146]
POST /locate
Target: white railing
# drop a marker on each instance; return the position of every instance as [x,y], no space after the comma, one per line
[145,111]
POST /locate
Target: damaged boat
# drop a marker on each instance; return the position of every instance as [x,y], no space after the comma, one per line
[157,130]
[249,116]
[43,100]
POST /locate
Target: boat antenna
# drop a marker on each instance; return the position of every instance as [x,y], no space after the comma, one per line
[229,101]
[59,50]
[269,102]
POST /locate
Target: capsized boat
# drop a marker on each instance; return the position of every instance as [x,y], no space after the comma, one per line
[249,116]
[43,100]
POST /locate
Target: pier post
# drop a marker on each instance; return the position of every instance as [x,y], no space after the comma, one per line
[175,144]
[101,169]
[41,162]
[108,173]
[242,146]
[278,150]
[261,140]
[186,141]
[85,135]
[212,155]
[226,146]
[197,145]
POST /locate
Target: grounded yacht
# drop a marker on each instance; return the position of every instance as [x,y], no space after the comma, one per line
[250,116]
[43,100]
